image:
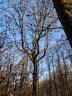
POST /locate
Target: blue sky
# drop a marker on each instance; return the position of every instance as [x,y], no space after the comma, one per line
[57,35]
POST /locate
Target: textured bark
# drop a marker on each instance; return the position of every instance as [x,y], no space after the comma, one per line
[64,11]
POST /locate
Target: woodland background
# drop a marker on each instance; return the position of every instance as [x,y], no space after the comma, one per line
[35,55]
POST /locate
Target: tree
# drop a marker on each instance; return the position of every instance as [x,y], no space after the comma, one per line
[30,22]
[64,11]
[58,63]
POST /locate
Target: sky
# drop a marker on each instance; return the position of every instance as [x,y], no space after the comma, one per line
[57,35]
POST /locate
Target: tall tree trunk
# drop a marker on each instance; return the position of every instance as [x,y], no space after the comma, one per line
[64,11]
[35,75]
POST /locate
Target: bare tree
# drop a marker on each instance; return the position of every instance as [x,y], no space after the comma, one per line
[30,22]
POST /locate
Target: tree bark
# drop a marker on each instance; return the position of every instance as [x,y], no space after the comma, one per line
[64,12]
[35,75]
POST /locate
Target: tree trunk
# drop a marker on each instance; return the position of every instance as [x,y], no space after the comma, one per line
[64,11]
[35,79]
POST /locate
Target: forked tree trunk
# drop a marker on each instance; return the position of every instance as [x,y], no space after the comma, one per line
[64,11]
